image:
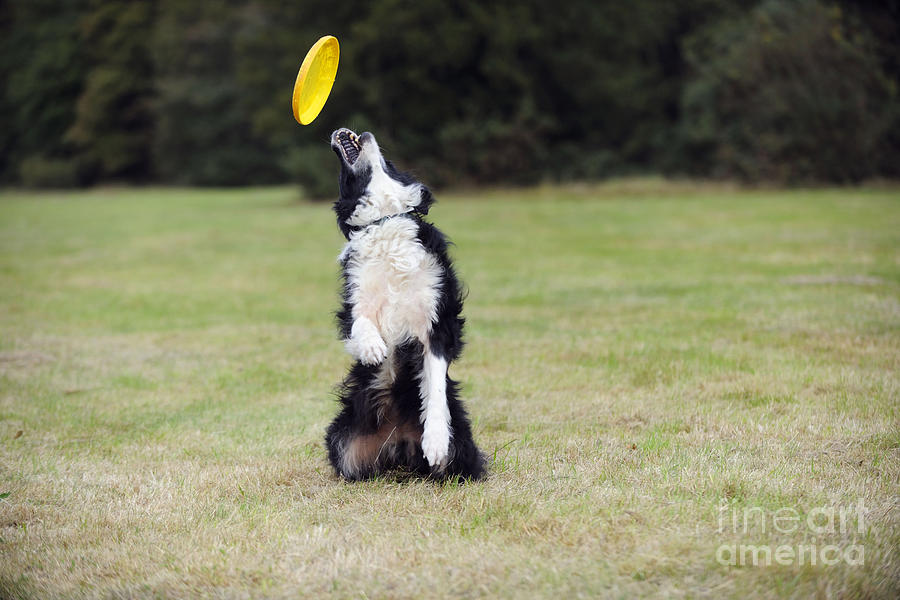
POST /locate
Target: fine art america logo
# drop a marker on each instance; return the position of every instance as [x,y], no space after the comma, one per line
[821,528]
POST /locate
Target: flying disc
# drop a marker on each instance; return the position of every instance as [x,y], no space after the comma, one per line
[315,79]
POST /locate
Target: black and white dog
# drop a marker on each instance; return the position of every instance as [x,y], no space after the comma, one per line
[400,320]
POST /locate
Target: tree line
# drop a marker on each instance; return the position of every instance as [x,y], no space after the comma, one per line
[462,91]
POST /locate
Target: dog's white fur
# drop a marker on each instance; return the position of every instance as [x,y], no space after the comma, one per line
[385,196]
[394,288]
[435,414]
[394,284]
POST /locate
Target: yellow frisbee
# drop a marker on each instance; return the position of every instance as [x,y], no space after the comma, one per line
[315,79]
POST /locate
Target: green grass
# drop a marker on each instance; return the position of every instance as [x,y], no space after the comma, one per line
[640,355]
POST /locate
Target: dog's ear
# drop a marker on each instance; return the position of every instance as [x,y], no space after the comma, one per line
[425,202]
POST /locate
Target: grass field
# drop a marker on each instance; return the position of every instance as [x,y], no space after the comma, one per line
[654,369]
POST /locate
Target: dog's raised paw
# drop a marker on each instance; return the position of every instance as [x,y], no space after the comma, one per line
[366,344]
[374,352]
[436,445]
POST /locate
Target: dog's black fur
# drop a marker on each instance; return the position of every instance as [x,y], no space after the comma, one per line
[381,425]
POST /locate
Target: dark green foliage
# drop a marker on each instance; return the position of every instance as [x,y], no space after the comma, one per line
[114,119]
[514,91]
[468,75]
[791,92]
[43,68]
[39,170]
[204,133]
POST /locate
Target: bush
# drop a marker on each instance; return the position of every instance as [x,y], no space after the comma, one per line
[791,93]
[43,172]
[464,92]
[315,169]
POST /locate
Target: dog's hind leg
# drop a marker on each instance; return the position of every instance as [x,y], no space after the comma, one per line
[348,437]
[351,447]
[337,442]
[435,414]
[466,460]
[357,454]
[372,433]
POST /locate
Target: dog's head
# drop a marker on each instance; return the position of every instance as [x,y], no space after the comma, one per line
[370,186]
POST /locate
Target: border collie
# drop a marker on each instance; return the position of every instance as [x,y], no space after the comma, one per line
[400,320]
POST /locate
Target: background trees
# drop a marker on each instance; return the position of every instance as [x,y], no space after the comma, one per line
[789,92]
[462,91]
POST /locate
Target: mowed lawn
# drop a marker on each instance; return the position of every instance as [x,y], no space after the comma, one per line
[648,363]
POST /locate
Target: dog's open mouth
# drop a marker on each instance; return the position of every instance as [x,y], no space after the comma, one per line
[346,143]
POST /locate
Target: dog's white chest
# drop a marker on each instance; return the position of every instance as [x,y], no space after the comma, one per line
[393,280]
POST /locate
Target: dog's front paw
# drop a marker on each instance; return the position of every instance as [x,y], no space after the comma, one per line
[366,344]
[371,351]
[436,445]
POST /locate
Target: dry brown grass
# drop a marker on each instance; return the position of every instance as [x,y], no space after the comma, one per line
[637,357]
